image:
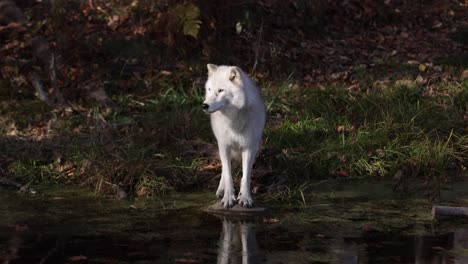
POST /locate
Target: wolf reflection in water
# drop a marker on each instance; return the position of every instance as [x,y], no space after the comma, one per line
[238,243]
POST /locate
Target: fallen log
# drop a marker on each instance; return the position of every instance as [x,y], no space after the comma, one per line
[448,211]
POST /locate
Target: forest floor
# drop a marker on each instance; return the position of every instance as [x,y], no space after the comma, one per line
[152,144]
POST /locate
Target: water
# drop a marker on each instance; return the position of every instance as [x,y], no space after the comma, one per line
[336,225]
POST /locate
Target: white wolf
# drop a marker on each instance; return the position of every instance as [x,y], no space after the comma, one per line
[237,119]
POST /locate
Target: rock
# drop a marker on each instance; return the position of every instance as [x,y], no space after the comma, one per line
[398,175]
[236,210]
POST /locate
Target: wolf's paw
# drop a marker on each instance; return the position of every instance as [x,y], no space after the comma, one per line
[245,200]
[229,199]
[220,193]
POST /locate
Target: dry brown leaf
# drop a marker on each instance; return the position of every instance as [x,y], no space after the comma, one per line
[143,191]
[186,260]
[57,198]
[78,258]
[21,228]
[342,173]
[422,67]
[270,220]
[464,75]
[211,166]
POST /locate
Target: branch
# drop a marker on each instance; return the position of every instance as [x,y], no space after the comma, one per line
[448,211]
[39,88]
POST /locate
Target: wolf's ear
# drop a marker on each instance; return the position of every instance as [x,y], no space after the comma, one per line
[211,68]
[234,75]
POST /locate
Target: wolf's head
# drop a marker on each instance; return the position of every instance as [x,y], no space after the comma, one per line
[224,88]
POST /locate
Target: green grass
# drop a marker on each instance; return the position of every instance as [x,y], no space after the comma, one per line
[157,140]
[372,134]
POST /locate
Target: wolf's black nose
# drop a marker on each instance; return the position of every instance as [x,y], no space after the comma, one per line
[205,106]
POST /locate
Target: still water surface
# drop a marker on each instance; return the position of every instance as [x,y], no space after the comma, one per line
[338,225]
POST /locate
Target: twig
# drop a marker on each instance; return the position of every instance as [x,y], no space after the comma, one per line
[53,79]
[257,50]
[39,88]
[51,252]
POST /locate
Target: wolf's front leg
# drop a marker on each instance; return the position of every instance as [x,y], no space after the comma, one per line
[248,158]
[220,190]
[229,197]
[225,249]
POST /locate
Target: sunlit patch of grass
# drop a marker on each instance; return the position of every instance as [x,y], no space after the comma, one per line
[340,133]
[35,171]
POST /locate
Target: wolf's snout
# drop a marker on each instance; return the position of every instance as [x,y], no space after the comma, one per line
[205,106]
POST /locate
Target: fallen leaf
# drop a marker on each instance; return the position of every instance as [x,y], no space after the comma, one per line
[422,67]
[139,30]
[7,257]
[413,62]
[438,248]
[211,166]
[270,220]
[420,80]
[464,75]
[342,173]
[183,260]
[143,191]
[166,73]
[21,228]
[367,228]
[437,24]
[260,75]
[78,258]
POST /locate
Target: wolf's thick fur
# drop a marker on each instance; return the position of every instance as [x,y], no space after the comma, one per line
[237,118]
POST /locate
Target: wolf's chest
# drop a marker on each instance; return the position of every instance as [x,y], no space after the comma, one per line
[230,131]
[233,123]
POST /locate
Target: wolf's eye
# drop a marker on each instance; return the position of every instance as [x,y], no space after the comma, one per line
[220,90]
